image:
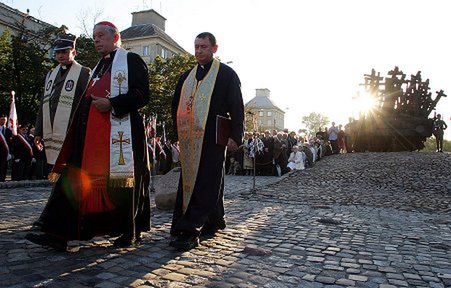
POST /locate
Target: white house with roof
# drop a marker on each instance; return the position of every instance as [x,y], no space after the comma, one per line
[268,115]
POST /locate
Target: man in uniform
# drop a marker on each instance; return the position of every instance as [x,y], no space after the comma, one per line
[5,144]
[102,186]
[23,154]
[208,90]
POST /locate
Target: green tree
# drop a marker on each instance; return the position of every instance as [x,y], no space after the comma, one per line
[314,121]
[163,77]
[5,71]
[24,63]
[86,52]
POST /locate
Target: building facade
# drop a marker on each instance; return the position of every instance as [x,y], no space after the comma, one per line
[265,114]
[147,37]
[16,21]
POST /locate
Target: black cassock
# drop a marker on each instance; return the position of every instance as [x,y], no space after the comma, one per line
[132,205]
[206,207]
[264,162]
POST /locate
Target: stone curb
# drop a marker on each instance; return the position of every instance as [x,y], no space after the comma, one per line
[25,183]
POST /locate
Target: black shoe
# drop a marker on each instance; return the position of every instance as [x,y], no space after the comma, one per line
[127,240]
[37,224]
[206,234]
[185,243]
[47,240]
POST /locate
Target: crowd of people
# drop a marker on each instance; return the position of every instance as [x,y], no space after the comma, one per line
[164,155]
[274,153]
[21,154]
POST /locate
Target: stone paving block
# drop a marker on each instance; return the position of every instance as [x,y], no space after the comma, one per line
[398,282]
[345,282]
[107,284]
[174,277]
[358,278]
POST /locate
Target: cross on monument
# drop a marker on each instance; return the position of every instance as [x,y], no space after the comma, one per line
[120,141]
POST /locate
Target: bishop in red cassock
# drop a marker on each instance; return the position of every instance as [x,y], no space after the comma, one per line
[102,172]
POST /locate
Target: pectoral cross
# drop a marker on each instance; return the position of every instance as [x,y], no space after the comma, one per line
[94,80]
[120,141]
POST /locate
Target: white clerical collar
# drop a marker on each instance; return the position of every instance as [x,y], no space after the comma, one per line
[64,67]
[109,54]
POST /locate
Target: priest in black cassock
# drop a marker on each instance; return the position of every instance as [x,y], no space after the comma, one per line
[202,93]
[103,172]
[63,89]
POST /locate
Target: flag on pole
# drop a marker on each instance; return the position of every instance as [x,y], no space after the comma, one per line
[164,134]
[151,127]
[12,120]
[160,148]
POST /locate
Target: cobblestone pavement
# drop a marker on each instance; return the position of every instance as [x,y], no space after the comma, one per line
[364,220]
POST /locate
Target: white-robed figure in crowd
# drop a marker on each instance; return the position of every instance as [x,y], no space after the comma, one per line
[297,159]
[314,149]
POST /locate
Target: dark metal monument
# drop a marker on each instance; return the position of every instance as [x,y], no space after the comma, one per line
[399,120]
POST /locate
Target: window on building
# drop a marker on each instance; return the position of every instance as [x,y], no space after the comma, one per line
[164,53]
[260,113]
[146,51]
[270,123]
[269,114]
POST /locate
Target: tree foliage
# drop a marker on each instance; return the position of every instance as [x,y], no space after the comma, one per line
[314,121]
[86,52]
[24,63]
[163,77]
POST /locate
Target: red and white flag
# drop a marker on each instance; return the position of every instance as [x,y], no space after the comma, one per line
[160,148]
[151,128]
[12,120]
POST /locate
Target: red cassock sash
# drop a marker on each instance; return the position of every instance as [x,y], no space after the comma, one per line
[89,185]
[95,164]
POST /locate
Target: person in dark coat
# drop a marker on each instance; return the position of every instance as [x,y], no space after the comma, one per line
[23,154]
[209,90]
[102,186]
[5,147]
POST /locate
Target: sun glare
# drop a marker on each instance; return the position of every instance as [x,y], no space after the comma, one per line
[365,102]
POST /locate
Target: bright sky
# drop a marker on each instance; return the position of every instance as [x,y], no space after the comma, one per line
[311,54]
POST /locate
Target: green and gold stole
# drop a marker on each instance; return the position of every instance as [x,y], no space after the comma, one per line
[192,117]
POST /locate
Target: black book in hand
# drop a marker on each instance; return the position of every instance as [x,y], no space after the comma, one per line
[223,130]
